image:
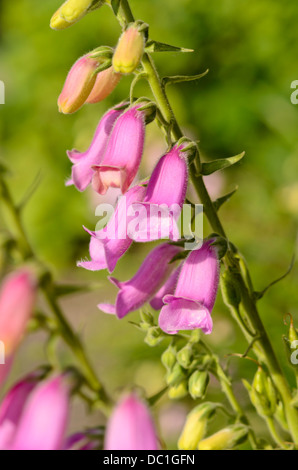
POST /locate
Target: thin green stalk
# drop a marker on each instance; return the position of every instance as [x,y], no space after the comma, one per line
[274,433]
[262,347]
[48,290]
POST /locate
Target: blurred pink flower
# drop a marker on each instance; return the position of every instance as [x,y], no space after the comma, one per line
[106,82]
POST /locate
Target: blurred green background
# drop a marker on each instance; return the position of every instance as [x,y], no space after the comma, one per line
[251,49]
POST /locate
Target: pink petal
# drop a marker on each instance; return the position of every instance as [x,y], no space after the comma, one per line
[184,314]
[147,281]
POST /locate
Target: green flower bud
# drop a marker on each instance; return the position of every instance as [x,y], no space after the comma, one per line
[230,290]
[195,426]
[225,439]
[168,358]
[198,383]
[262,393]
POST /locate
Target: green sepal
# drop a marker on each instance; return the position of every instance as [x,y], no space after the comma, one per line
[208,168]
[155,46]
[182,78]
[102,52]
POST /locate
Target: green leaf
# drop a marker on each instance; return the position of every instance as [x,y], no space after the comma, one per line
[211,167]
[182,78]
[155,46]
[62,290]
[154,399]
[259,295]
[221,200]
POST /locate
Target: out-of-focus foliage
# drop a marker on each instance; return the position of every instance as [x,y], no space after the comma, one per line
[243,103]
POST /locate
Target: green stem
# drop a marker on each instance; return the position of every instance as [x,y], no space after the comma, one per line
[263,347]
[48,289]
[274,433]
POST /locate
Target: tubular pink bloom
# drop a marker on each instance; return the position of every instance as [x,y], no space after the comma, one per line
[123,154]
[82,172]
[168,288]
[191,305]
[17,299]
[12,406]
[131,427]
[5,369]
[109,244]
[78,85]
[105,83]
[146,282]
[164,198]
[44,419]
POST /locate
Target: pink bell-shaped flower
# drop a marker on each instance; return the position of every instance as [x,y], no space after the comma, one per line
[123,154]
[83,162]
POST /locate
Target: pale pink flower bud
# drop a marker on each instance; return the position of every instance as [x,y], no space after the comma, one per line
[152,274]
[83,162]
[131,427]
[123,154]
[45,417]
